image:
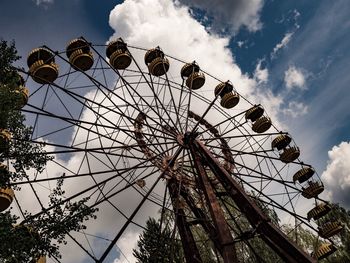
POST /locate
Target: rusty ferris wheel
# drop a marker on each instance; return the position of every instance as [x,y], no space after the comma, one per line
[163,135]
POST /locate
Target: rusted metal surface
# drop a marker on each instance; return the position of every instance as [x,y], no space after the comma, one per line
[188,243]
[201,218]
[272,235]
[216,212]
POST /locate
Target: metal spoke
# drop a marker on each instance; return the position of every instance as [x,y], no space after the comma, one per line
[123,132]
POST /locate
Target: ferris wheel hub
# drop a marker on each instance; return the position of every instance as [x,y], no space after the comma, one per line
[185,139]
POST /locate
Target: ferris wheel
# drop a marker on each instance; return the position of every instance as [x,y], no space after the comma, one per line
[143,134]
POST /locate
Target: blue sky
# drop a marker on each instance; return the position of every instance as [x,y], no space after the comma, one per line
[297,51]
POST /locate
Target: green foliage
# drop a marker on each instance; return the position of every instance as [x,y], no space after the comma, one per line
[257,250]
[303,237]
[41,235]
[157,246]
[310,242]
[343,240]
[149,247]
[23,154]
[8,55]
[9,79]
[206,247]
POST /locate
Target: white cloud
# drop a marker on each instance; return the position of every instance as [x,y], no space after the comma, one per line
[289,35]
[261,74]
[231,14]
[336,177]
[151,23]
[296,15]
[295,109]
[127,243]
[294,78]
[154,22]
[240,43]
[284,42]
[44,2]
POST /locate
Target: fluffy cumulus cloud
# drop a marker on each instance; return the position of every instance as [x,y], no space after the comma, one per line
[150,23]
[336,177]
[231,14]
[294,78]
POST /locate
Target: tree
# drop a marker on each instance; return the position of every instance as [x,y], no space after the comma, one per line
[41,235]
[157,246]
[343,240]
[310,242]
[250,247]
[38,235]
[304,238]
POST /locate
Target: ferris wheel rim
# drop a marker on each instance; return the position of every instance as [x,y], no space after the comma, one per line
[152,128]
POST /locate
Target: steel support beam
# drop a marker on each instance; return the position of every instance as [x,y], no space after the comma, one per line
[270,233]
[188,243]
[202,218]
[223,231]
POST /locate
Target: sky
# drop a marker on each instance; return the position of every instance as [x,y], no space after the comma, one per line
[292,56]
